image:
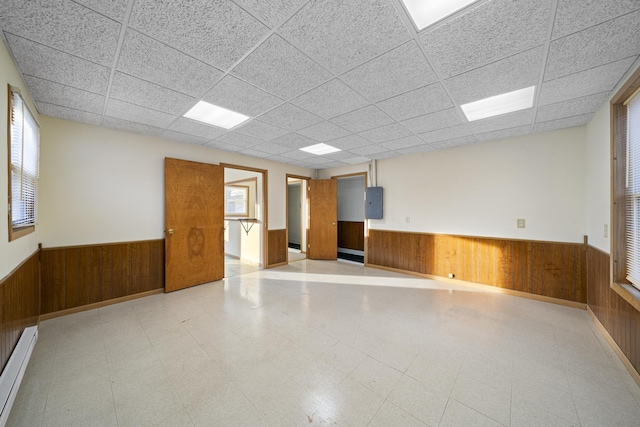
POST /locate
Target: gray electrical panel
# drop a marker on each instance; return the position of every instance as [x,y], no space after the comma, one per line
[373,203]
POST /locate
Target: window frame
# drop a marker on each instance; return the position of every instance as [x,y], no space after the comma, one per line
[244,214]
[23,230]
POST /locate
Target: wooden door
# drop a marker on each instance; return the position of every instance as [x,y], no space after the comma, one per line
[322,236]
[194,223]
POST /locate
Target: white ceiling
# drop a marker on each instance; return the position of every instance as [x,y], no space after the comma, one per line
[353,74]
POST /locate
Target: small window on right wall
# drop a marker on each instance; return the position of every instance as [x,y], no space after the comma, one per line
[625,163]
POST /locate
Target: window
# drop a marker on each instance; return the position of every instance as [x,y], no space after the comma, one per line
[236,200]
[632,184]
[24,148]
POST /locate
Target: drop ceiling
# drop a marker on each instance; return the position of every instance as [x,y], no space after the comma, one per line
[351,74]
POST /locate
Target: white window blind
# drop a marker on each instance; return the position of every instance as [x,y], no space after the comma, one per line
[633,190]
[24,158]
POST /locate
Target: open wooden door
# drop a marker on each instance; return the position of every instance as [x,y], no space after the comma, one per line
[322,236]
[194,223]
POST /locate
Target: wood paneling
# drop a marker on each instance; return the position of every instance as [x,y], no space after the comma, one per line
[618,317]
[351,235]
[277,247]
[77,276]
[19,304]
[555,270]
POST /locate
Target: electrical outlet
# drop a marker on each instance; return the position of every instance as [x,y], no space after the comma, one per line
[520,223]
[408,219]
[606,230]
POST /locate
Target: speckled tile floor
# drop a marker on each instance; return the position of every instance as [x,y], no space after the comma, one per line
[326,343]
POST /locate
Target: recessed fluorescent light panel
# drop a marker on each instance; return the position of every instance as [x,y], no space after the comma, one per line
[214,115]
[500,104]
[320,149]
[427,12]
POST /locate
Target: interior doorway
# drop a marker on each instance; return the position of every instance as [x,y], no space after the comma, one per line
[351,217]
[244,216]
[297,218]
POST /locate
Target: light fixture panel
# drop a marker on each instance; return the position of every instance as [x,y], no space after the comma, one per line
[427,12]
[320,149]
[214,115]
[509,102]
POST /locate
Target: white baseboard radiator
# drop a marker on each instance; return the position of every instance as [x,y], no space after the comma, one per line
[14,371]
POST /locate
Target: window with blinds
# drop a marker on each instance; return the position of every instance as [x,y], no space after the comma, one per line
[24,150]
[632,231]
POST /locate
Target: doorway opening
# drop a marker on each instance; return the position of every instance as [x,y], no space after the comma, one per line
[297,218]
[351,218]
[244,216]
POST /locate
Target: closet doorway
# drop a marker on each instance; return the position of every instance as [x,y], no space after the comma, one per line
[351,219]
[297,218]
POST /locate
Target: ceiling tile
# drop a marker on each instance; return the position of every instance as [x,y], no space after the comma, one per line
[397,71]
[573,107]
[369,149]
[271,148]
[363,119]
[450,143]
[349,142]
[224,146]
[335,164]
[589,82]
[356,160]
[293,140]
[280,69]
[296,155]
[446,133]
[236,95]
[503,133]
[182,137]
[65,96]
[383,155]
[146,116]
[409,141]
[341,35]
[467,41]
[272,12]
[114,9]
[324,131]
[68,113]
[319,160]
[254,153]
[261,130]
[562,123]
[216,32]
[505,121]
[77,30]
[150,60]
[330,99]
[139,92]
[238,140]
[386,133]
[340,155]
[417,102]
[415,150]
[128,126]
[595,46]
[40,61]
[195,128]
[434,121]
[576,15]
[290,117]
[515,72]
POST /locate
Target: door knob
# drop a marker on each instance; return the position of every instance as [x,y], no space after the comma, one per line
[333,223]
[170,231]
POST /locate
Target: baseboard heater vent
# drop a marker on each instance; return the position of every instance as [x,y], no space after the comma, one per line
[14,371]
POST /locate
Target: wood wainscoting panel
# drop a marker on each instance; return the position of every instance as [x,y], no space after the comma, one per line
[620,319]
[550,269]
[81,275]
[277,248]
[351,235]
[19,304]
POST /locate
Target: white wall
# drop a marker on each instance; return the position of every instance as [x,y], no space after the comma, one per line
[12,253]
[351,199]
[482,189]
[101,185]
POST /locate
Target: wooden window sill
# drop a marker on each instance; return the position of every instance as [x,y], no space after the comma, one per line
[628,293]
